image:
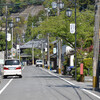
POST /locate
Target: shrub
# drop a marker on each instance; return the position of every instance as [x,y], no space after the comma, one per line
[88,66]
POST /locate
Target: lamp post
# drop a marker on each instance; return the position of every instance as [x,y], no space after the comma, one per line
[6,56]
[11,25]
[75,46]
[69,13]
[17,20]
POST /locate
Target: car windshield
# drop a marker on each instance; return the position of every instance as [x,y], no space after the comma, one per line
[39,61]
[12,62]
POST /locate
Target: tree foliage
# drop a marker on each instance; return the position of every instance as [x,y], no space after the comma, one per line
[59,26]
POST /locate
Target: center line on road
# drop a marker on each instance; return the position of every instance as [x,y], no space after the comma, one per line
[6,86]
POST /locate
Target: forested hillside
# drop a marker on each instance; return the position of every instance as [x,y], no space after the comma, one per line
[17,5]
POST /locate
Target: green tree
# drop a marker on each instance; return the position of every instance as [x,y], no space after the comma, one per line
[3,43]
[58,26]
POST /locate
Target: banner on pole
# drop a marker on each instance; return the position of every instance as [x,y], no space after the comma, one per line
[72,28]
[8,37]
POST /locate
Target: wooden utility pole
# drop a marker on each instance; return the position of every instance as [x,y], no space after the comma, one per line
[59,43]
[33,52]
[48,50]
[42,53]
[48,53]
[96,45]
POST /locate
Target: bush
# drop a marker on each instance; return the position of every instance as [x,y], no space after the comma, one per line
[88,70]
[88,66]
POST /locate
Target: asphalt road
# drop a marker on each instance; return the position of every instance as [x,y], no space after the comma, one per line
[37,84]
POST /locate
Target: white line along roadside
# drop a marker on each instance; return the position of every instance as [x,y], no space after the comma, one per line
[57,76]
[70,83]
[91,93]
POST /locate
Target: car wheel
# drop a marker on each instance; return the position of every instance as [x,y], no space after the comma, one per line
[4,77]
[20,76]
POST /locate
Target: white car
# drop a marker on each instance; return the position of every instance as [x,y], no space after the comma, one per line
[39,63]
[12,67]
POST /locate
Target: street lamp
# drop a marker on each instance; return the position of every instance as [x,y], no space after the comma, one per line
[11,25]
[69,13]
[75,46]
[59,4]
[17,19]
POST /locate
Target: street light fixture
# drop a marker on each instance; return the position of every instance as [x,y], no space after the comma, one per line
[11,24]
[17,19]
[61,5]
[68,12]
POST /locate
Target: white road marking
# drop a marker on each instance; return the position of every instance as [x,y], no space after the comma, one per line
[70,83]
[6,86]
[91,93]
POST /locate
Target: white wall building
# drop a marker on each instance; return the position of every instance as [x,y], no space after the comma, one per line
[68,51]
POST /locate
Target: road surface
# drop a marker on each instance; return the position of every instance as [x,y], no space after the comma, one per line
[38,84]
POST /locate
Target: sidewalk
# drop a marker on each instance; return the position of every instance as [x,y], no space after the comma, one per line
[87,85]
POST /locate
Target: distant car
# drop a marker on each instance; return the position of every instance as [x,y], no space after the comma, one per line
[39,63]
[12,67]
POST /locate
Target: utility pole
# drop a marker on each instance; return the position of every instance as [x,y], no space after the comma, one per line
[16,45]
[12,39]
[33,52]
[59,43]
[48,52]
[42,54]
[6,34]
[96,45]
